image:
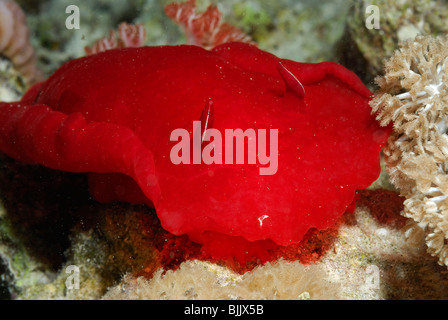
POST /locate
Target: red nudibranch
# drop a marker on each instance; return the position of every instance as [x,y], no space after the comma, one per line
[111,114]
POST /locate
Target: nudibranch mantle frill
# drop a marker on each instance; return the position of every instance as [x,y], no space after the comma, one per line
[111,115]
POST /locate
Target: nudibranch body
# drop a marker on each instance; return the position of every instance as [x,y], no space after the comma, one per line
[113,115]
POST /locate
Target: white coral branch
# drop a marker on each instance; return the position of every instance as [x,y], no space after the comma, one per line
[413,95]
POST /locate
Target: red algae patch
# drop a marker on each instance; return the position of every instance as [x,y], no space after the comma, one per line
[385,206]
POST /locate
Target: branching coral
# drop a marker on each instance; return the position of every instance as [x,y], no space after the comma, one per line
[204,29]
[15,43]
[413,95]
[128,36]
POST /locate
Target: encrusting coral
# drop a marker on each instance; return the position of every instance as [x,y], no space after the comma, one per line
[280,280]
[413,95]
[15,41]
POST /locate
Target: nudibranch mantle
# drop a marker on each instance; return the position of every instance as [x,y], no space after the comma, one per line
[111,115]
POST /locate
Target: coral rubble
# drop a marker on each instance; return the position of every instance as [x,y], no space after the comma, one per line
[413,96]
[12,83]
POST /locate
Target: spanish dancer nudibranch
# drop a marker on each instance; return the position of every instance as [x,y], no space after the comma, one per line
[112,115]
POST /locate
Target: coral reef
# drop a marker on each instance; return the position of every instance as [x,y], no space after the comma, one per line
[300,30]
[203,280]
[204,29]
[102,97]
[110,241]
[55,44]
[413,96]
[370,259]
[15,42]
[48,223]
[106,242]
[374,260]
[306,31]
[364,50]
[127,36]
